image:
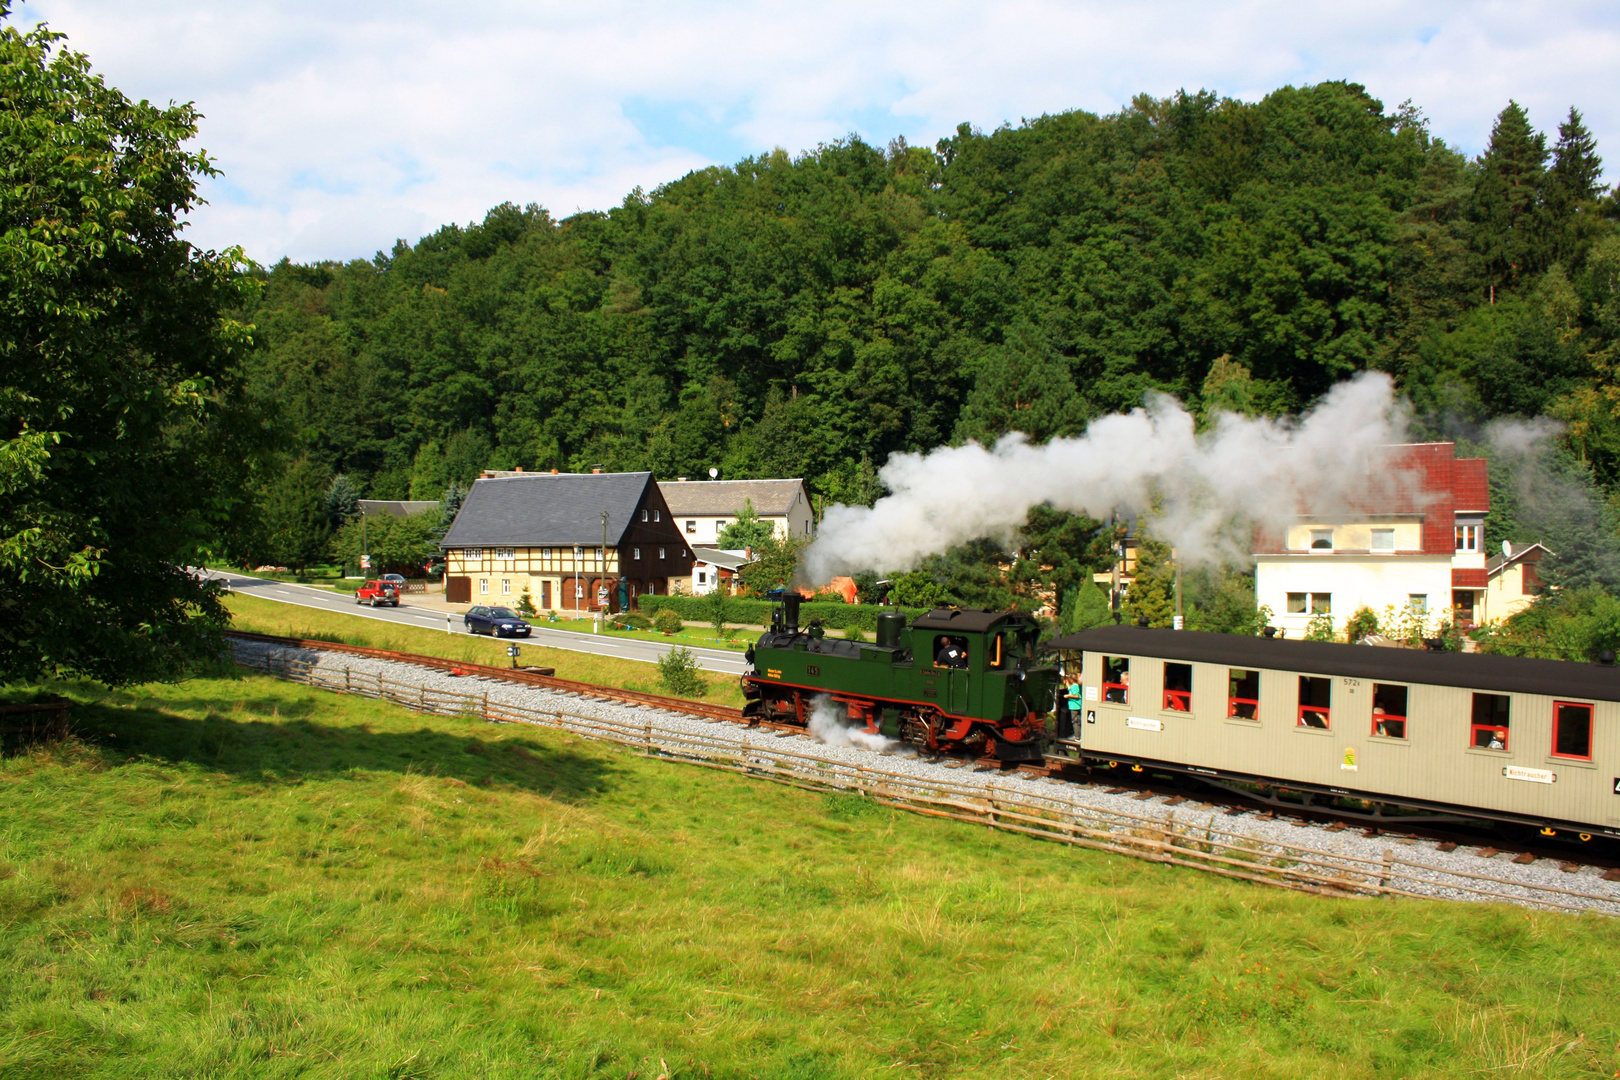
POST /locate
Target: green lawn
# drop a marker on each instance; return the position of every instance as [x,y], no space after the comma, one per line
[251,878]
[289,620]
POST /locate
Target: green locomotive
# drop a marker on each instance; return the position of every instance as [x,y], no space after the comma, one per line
[955,679]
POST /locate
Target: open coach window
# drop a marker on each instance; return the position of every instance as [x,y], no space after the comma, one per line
[1116,685]
[1315,702]
[1389,711]
[1488,726]
[1572,730]
[1243,694]
[1178,687]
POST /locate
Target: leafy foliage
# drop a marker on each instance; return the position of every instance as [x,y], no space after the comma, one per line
[399,545]
[125,440]
[678,671]
[746,531]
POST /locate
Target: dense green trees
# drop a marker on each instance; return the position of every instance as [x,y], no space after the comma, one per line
[813,315]
[124,440]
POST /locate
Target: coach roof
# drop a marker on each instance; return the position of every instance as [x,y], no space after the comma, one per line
[535,509]
[1472,671]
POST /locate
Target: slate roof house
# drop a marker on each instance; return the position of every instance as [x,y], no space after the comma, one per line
[702,508]
[545,532]
[397,507]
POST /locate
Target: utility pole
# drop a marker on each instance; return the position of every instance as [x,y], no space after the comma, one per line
[365,546]
[603,587]
[579,590]
[1119,557]
[1176,558]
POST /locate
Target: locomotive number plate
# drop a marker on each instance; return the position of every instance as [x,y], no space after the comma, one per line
[812,669]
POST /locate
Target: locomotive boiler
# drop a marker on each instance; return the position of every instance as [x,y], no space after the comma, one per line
[957,680]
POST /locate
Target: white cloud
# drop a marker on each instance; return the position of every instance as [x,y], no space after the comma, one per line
[343,126]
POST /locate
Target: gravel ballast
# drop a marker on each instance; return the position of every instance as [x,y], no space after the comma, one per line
[1279,835]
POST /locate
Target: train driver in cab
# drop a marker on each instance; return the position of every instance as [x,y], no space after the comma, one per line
[952,653]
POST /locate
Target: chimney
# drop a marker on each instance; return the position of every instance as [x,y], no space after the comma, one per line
[553,472]
[596,472]
[517,468]
[680,479]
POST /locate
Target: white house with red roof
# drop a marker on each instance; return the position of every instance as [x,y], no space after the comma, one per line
[1416,542]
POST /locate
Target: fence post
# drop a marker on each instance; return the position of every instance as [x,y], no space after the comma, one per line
[486,704]
[648,734]
[1388,872]
[348,685]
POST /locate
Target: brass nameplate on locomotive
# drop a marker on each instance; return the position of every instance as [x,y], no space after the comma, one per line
[812,669]
[773,673]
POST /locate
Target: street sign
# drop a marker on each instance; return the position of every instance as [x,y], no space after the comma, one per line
[365,562]
[512,651]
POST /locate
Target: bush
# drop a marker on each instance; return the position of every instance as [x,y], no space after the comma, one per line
[755,612]
[525,605]
[1362,623]
[631,621]
[678,671]
[667,621]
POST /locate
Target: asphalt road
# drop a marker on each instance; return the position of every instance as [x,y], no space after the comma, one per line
[406,615]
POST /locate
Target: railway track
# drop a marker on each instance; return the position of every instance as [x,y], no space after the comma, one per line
[1146,785]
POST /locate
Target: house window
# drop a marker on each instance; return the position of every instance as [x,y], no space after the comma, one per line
[483,585]
[1419,603]
[702,578]
[1488,726]
[1321,603]
[1243,694]
[1116,685]
[506,586]
[1383,539]
[661,554]
[1389,711]
[505,553]
[644,515]
[1321,539]
[807,528]
[473,553]
[1298,602]
[691,526]
[1318,603]
[1178,687]
[1467,537]
[1572,730]
[1315,702]
[635,553]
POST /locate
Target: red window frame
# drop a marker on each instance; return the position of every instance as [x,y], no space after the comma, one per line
[1124,688]
[1558,706]
[1232,703]
[1327,717]
[1388,718]
[1505,728]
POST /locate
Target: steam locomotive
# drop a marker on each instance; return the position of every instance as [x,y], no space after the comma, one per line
[955,679]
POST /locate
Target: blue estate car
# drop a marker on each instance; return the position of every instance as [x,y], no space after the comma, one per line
[496,621]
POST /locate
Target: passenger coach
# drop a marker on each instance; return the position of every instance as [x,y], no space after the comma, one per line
[1535,742]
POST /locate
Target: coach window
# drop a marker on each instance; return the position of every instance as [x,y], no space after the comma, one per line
[1116,680]
[1488,729]
[1315,702]
[1178,687]
[1243,694]
[1572,730]
[1389,711]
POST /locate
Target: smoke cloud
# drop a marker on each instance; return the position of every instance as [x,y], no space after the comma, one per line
[829,724]
[1206,491]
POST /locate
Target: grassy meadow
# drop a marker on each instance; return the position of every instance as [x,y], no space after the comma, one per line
[248,878]
[258,616]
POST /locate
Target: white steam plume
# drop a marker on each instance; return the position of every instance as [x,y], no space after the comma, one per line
[1206,491]
[829,724]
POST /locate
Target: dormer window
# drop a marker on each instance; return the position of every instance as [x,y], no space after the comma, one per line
[1321,539]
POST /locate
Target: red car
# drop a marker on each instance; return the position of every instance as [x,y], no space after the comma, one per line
[377,593]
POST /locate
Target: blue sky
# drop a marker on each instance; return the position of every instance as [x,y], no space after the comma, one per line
[343,126]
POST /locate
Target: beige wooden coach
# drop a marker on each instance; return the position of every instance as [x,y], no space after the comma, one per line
[1530,741]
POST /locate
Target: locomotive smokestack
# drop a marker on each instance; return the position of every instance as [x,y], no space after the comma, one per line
[790,612]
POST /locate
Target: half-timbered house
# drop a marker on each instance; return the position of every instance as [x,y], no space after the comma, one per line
[575,541]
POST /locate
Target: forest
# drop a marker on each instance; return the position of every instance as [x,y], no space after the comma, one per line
[811,315]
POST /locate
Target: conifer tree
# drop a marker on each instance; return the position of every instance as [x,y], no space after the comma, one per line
[1571,193]
[1507,197]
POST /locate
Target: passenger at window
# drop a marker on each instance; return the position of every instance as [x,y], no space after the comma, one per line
[1379,726]
[1498,741]
[1312,718]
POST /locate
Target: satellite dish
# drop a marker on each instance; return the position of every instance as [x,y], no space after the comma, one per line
[713,473]
[1507,550]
